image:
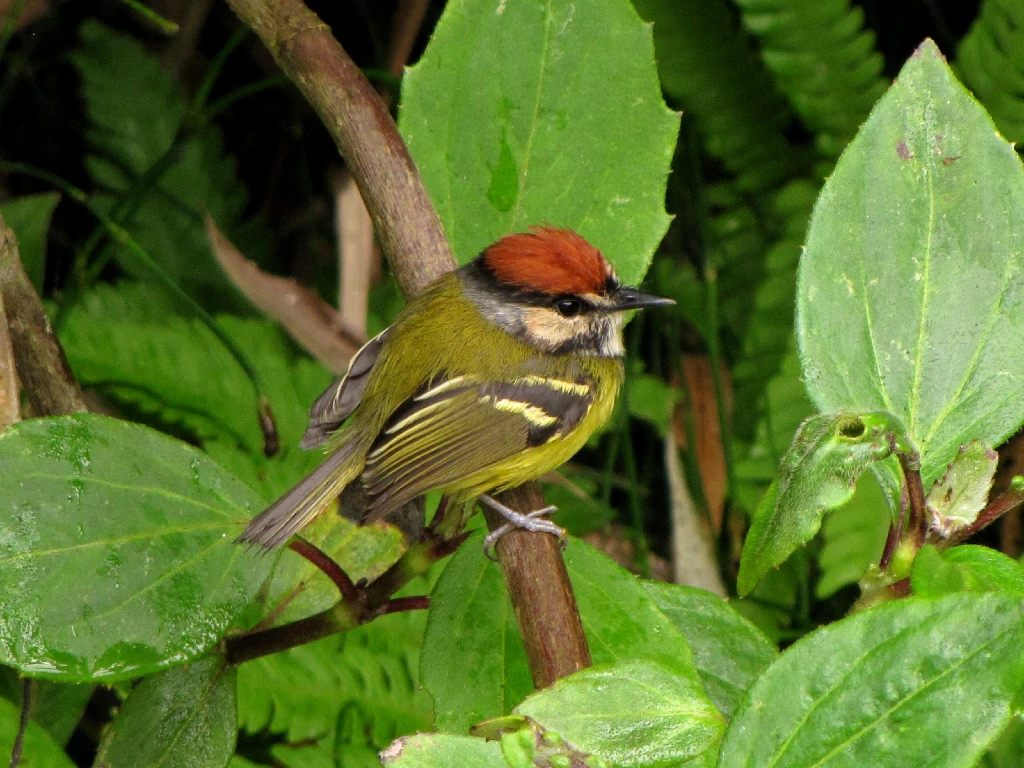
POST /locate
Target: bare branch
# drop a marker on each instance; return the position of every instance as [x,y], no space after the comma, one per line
[10,400]
[310,320]
[408,228]
[46,377]
[356,254]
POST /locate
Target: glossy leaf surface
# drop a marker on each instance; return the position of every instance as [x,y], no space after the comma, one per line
[911,683]
[728,651]
[511,121]
[911,289]
[182,718]
[966,568]
[634,715]
[118,556]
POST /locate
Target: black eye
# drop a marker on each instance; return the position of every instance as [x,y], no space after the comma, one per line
[568,307]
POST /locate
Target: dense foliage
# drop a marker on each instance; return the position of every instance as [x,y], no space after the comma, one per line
[768,549]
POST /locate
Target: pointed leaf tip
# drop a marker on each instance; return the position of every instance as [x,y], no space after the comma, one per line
[927,48]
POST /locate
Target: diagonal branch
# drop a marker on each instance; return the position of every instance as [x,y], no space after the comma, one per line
[414,243]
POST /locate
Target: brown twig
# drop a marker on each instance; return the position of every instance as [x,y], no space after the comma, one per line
[998,507]
[327,566]
[356,253]
[27,696]
[406,28]
[413,240]
[917,523]
[408,227]
[311,321]
[50,387]
[10,399]
[542,596]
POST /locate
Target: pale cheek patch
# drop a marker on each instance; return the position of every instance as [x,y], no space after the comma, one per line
[548,329]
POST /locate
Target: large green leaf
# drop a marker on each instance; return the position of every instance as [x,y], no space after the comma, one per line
[634,715]
[181,718]
[538,111]
[116,549]
[29,217]
[911,290]
[966,568]
[912,683]
[728,651]
[473,660]
[39,748]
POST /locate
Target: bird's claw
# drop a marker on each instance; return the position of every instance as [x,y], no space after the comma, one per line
[531,521]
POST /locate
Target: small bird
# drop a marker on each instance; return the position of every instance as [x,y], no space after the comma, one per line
[495,374]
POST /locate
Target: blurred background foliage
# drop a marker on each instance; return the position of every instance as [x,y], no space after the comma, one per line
[162,129]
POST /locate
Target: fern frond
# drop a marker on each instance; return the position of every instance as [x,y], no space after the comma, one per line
[990,61]
[823,60]
[709,67]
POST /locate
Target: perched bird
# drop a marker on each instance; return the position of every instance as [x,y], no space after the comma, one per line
[495,374]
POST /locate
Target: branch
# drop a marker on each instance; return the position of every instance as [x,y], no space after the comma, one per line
[10,398]
[407,225]
[45,375]
[414,243]
[998,507]
[541,593]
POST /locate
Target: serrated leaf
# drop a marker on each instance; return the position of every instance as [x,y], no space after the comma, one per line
[29,217]
[184,717]
[139,526]
[438,750]
[912,280]
[512,123]
[962,493]
[966,568]
[635,715]
[39,748]
[728,651]
[473,660]
[817,474]
[915,682]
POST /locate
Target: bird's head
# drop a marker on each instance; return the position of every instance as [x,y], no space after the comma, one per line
[554,290]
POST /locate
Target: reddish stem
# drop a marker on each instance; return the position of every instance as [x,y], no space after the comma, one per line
[331,569]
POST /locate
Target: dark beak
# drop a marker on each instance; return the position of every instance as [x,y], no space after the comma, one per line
[631,298]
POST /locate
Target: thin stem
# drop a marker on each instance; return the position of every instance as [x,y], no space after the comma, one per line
[402,604]
[330,569]
[27,695]
[166,26]
[917,522]
[996,509]
[242,648]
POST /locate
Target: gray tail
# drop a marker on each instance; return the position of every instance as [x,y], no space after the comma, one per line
[285,517]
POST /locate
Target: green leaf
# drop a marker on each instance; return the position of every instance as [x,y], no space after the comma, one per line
[853,537]
[962,493]
[966,568]
[916,682]
[728,651]
[1008,750]
[512,122]
[57,707]
[39,748]
[127,343]
[435,750]
[182,717]
[621,621]
[29,217]
[910,289]
[651,399]
[635,715]
[138,527]
[818,473]
[473,660]
[369,676]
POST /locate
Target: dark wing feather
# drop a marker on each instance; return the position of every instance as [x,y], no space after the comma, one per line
[340,399]
[456,428]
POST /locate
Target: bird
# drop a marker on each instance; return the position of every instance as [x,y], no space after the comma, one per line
[495,374]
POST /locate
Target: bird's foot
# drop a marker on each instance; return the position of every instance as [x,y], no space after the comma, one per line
[530,521]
